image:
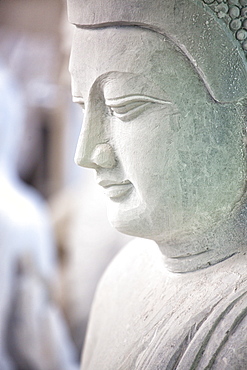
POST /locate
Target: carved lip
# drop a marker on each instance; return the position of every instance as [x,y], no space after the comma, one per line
[116,190]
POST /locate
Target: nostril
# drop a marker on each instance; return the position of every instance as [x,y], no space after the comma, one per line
[103,156]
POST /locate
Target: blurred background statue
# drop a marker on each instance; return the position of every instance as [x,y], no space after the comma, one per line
[33,332]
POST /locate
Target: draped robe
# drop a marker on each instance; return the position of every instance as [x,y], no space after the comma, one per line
[146,317]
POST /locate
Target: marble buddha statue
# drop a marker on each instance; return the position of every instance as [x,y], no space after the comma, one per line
[164,87]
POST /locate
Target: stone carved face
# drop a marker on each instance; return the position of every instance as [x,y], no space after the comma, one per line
[169,158]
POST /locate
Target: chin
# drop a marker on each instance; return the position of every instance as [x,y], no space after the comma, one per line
[137,226]
[142,225]
[133,217]
[126,225]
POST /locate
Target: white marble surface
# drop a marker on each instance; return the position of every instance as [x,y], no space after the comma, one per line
[165,131]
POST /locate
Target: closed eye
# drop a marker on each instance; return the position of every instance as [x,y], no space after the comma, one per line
[129,107]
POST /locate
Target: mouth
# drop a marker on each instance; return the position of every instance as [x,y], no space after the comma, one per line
[116,191]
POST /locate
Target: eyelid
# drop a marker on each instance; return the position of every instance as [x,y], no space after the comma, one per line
[130,107]
[124,100]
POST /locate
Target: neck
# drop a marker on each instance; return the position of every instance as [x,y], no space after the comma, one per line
[221,242]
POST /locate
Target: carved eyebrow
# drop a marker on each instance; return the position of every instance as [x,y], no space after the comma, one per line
[122,100]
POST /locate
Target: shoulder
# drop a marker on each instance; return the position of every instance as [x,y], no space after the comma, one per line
[137,255]
[119,296]
[136,266]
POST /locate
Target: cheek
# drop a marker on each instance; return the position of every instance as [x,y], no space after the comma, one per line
[209,166]
[143,144]
[147,151]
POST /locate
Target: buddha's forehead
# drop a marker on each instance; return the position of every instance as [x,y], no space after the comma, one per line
[101,50]
[126,50]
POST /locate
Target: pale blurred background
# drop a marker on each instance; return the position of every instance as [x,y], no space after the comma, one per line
[55,240]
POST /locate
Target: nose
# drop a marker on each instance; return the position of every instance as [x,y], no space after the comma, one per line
[93,150]
[103,156]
